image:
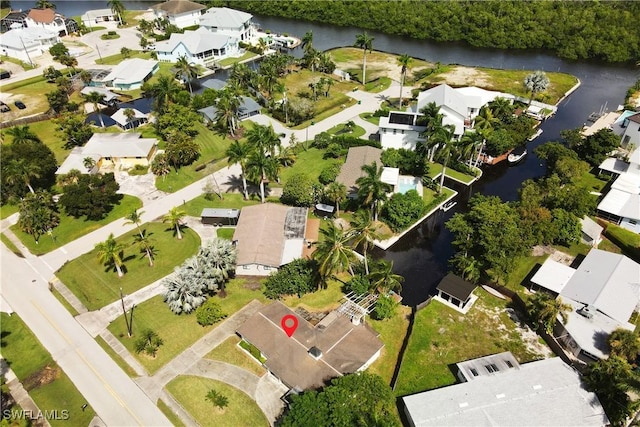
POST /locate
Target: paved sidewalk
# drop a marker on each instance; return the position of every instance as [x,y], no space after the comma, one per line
[20,395]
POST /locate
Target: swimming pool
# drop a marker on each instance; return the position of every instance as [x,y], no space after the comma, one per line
[406,184]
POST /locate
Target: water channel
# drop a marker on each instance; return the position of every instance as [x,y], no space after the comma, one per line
[421,256]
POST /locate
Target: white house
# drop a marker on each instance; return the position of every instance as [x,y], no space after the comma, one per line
[632,131]
[26,44]
[47,19]
[547,392]
[129,74]
[199,47]
[138,118]
[268,236]
[235,23]
[111,151]
[622,203]
[400,130]
[91,18]
[181,13]
[603,293]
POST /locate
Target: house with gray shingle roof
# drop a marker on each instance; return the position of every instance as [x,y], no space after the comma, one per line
[199,47]
[235,23]
[181,13]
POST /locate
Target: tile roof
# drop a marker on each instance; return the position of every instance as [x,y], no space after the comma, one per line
[45,16]
[357,157]
[177,7]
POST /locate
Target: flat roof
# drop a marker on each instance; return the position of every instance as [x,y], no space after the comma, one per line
[345,347]
[219,213]
[543,393]
[553,275]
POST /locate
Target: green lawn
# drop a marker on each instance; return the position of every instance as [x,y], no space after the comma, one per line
[31,362]
[70,228]
[625,239]
[592,182]
[309,162]
[229,352]
[7,210]
[116,357]
[378,85]
[435,169]
[321,300]
[370,118]
[225,233]
[118,58]
[212,156]
[175,420]
[231,201]
[190,391]
[392,332]
[230,61]
[441,336]
[357,131]
[46,131]
[97,286]
[32,92]
[177,331]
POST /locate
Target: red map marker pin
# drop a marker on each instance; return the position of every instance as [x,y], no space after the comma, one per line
[289,324]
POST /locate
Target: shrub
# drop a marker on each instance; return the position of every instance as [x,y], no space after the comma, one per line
[209,313]
[385,307]
[149,342]
[218,400]
[298,191]
[138,170]
[253,351]
[322,140]
[333,151]
[402,210]
[296,278]
[329,174]
[359,284]
[382,112]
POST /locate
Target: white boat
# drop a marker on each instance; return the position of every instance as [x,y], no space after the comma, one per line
[535,135]
[449,205]
[517,155]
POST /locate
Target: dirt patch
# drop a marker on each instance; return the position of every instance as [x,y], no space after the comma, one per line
[465,76]
[556,255]
[378,64]
[45,376]
[253,283]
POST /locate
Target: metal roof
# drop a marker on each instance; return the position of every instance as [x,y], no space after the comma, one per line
[542,393]
[553,275]
[493,364]
[223,17]
[219,213]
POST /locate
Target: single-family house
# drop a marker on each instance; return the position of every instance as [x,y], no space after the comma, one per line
[235,23]
[27,43]
[268,236]
[313,354]
[110,98]
[91,18]
[546,392]
[200,47]
[111,151]
[456,293]
[604,290]
[400,130]
[631,134]
[248,107]
[181,13]
[130,74]
[128,117]
[621,204]
[591,232]
[47,19]
[351,170]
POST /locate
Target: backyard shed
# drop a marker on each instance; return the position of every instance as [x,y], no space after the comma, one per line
[213,216]
[455,292]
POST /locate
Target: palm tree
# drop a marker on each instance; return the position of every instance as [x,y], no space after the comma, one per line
[432,119]
[186,71]
[134,217]
[337,193]
[263,139]
[501,108]
[174,217]
[110,252]
[384,279]
[536,82]
[238,152]
[545,310]
[18,170]
[469,145]
[22,135]
[286,156]
[371,189]
[365,42]
[333,252]
[117,8]
[89,163]
[95,98]
[625,344]
[307,41]
[130,115]
[443,139]
[261,168]
[404,61]
[146,244]
[364,232]
[485,121]
[227,111]
[164,92]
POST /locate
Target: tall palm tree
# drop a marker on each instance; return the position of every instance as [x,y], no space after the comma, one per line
[404,61]
[384,279]
[364,42]
[186,70]
[364,232]
[333,252]
[174,217]
[625,344]
[260,169]
[145,243]
[22,135]
[111,252]
[443,139]
[432,119]
[307,41]
[337,193]
[263,139]
[227,108]
[164,92]
[96,98]
[545,310]
[470,146]
[130,115]
[238,152]
[371,189]
[501,108]
[117,8]
[18,170]
[485,121]
[134,217]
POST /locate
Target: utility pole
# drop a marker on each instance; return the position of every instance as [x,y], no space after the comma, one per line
[128,322]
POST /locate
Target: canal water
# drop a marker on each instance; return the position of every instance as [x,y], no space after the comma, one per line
[421,256]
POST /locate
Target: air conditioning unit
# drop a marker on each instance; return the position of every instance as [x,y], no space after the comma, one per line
[588,311]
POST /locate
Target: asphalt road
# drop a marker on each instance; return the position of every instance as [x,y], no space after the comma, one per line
[114,396]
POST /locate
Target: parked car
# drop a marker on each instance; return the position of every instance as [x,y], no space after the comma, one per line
[4,74]
[4,107]
[20,104]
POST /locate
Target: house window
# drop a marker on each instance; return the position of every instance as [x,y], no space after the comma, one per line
[491,368]
[509,364]
[633,222]
[474,372]
[267,267]
[245,267]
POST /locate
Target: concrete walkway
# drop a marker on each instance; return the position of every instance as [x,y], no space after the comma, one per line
[20,395]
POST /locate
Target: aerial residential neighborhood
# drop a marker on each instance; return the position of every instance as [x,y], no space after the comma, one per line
[263,213]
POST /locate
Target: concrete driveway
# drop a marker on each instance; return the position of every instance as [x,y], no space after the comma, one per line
[129,37]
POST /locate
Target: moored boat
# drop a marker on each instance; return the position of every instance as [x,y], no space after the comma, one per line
[517,155]
[535,135]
